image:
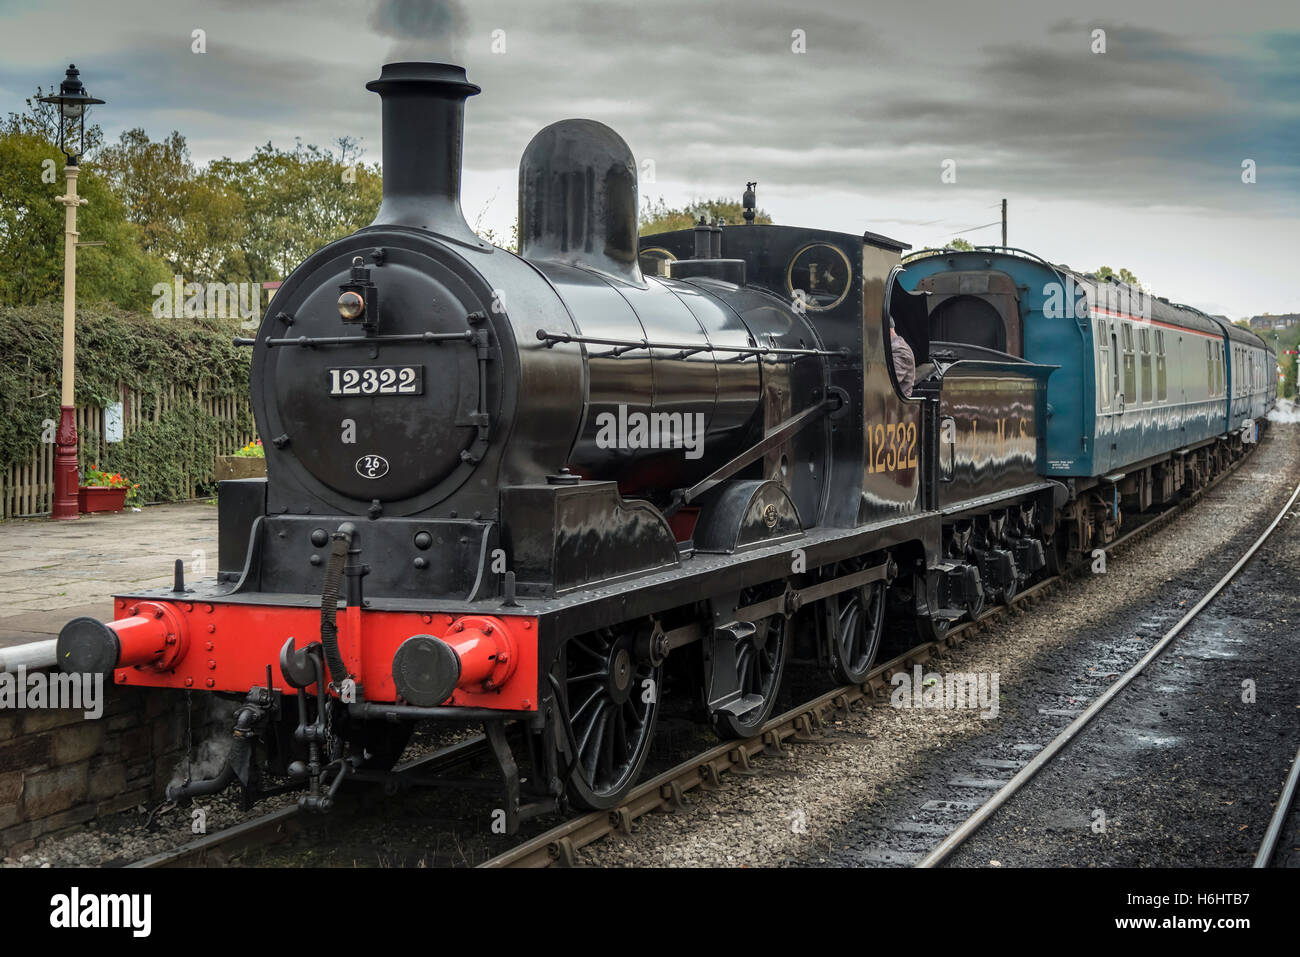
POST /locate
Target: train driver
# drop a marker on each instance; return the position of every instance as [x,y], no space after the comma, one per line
[902,359]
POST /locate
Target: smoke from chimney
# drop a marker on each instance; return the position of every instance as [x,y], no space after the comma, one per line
[431,30]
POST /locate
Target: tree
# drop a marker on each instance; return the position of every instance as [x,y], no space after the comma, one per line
[32,231]
[233,221]
[657,217]
[1105,273]
[295,201]
[188,217]
[490,235]
[42,120]
[962,244]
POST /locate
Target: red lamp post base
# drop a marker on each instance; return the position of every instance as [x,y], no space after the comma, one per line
[65,467]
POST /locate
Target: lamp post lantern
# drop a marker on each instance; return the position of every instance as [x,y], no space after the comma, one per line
[73,102]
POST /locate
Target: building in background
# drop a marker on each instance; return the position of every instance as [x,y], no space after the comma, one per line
[1270,321]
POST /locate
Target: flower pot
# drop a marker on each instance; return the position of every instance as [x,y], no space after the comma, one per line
[240,467]
[92,498]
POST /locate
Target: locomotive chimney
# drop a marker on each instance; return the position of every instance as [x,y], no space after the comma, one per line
[577,199]
[424,122]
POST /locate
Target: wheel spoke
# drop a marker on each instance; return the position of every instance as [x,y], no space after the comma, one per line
[573,719]
[620,735]
[850,622]
[604,751]
[745,667]
[591,728]
[593,742]
[598,655]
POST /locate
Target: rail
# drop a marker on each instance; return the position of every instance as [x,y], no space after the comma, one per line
[1040,760]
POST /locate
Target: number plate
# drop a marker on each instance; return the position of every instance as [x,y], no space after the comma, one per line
[377,380]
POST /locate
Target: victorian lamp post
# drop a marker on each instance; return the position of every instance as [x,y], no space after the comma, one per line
[72,101]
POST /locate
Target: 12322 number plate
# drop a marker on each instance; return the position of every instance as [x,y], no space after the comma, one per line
[377,380]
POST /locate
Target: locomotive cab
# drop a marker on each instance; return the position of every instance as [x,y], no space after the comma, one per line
[957,314]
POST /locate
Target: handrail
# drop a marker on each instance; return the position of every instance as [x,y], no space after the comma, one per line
[31,656]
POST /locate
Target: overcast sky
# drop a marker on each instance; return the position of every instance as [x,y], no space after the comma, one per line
[1129,157]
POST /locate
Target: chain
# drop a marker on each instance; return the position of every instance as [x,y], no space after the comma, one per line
[329,729]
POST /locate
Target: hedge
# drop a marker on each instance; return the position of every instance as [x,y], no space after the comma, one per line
[152,357]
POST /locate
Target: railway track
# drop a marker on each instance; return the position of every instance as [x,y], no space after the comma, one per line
[954,840]
[1276,826]
[282,824]
[798,725]
[666,791]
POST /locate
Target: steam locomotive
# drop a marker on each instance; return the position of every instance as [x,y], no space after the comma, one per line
[547,491]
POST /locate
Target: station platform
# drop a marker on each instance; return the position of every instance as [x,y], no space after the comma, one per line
[53,571]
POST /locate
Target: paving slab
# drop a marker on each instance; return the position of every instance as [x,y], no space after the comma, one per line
[53,571]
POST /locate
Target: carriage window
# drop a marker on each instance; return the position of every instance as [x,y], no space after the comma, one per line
[1114,363]
[1145,338]
[1209,368]
[1103,366]
[1130,366]
[1162,383]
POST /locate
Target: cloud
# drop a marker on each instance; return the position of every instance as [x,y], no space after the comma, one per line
[1152,131]
[424,29]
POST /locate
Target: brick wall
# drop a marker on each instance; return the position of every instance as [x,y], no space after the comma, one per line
[59,770]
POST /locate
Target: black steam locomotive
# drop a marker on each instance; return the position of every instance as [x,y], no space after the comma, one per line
[542,491]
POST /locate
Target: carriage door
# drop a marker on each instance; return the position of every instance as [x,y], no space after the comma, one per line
[1105,390]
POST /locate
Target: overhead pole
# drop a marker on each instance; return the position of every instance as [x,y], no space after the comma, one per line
[1004,223]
